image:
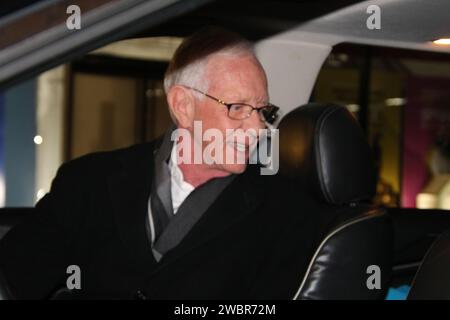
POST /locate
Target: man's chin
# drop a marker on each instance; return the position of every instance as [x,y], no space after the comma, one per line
[234,168]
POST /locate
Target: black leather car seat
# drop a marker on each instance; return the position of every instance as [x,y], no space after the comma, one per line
[432,280]
[323,148]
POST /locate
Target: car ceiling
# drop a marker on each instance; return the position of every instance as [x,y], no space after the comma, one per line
[256,19]
[404,23]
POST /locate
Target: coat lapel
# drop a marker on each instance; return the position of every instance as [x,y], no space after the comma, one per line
[239,199]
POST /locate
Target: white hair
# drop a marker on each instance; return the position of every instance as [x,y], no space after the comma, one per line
[194,74]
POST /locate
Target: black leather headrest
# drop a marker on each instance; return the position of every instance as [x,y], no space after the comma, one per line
[324,147]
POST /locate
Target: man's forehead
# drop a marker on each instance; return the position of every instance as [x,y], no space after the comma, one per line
[239,78]
[236,63]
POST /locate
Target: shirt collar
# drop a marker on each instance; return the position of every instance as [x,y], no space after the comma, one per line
[176,173]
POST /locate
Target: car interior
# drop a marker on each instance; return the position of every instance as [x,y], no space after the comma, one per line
[364,121]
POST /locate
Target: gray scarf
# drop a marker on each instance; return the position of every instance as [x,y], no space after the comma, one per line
[170,229]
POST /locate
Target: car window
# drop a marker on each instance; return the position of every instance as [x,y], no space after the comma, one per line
[401,99]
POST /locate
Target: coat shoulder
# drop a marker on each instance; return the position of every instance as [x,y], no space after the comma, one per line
[104,162]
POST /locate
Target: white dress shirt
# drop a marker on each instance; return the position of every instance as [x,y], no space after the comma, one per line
[180,189]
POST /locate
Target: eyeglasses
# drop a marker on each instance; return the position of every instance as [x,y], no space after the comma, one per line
[242,111]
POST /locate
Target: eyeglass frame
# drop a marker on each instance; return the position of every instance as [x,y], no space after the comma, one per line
[273,114]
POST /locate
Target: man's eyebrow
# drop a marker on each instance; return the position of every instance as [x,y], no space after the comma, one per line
[248,101]
[263,101]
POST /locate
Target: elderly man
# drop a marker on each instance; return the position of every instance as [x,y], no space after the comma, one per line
[140,223]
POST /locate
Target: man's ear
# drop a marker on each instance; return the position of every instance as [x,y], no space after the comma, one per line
[181,103]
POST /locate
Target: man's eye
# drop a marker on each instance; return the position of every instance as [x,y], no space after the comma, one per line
[237,107]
